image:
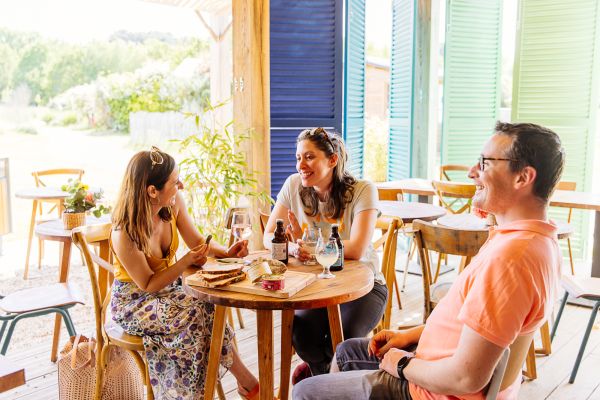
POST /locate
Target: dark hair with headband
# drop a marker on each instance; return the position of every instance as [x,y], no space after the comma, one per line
[133,209]
[342,189]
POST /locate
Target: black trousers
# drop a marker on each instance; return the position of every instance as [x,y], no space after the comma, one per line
[311,336]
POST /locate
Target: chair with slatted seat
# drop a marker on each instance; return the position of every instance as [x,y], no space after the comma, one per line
[447,170]
[45,178]
[36,301]
[571,186]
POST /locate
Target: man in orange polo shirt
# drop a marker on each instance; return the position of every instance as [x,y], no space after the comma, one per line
[507,290]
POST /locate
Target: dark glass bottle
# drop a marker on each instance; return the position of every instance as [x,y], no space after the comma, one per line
[279,244]
[338,265]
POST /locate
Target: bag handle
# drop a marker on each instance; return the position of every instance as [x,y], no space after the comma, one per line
[74,350]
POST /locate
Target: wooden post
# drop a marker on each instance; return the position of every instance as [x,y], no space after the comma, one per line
[251,88]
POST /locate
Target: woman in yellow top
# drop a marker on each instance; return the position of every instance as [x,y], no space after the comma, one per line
[147,296]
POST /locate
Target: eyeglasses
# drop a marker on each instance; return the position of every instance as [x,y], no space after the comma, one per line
[155,156]
[482,161]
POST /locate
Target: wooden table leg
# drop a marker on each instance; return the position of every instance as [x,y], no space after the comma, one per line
[62,277]
[335,325]
[264,327]
[287,321]
[31,227]
[216,343]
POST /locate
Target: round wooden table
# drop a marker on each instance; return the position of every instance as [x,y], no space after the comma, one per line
[54,230]
[38,194]
[408,211]
[355,281]
[472,222]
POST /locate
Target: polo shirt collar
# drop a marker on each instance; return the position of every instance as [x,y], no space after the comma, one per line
[533,225]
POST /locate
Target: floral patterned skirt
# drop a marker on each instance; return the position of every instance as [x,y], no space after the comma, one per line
[176,330]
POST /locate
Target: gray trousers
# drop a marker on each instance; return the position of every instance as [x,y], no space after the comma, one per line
[360,378]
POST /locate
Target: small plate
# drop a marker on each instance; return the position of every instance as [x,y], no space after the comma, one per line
[230,260]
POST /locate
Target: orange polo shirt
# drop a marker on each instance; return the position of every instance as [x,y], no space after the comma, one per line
[507,290]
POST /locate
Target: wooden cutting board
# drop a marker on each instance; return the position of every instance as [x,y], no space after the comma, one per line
[294,282]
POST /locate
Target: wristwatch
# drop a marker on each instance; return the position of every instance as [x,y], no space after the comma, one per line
[402,363]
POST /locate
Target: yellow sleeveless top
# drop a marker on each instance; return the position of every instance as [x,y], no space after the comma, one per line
[155,263]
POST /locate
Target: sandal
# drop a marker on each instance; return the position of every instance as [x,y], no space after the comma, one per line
[252,394]
[301,372]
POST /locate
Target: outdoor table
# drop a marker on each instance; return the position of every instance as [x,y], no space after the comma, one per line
[11,375]
[38,194]
[54,230]
[353,282]
[421,187]
[408,211]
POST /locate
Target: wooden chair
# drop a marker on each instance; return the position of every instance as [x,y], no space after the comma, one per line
[581,288]
[445,169]
[389,241]
[108,333]
[42,179]
[382,223]
[33,302]
[571,186]
[453,196]
[446,240]
[264,218]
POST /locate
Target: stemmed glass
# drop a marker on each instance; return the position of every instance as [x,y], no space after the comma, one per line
[327,254]
[310,238]
[240,225]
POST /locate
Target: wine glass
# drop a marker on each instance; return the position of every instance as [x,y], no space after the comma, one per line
[240,225]
[327,254]
[310,237]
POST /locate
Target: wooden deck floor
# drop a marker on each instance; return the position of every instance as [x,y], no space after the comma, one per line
[553,371]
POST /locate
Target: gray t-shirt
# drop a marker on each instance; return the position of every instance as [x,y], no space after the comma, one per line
[364,198]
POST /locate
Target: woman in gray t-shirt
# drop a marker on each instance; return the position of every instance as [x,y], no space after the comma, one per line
[322,193]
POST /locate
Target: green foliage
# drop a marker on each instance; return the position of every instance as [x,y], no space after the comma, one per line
[376,149]
[215,173]
[68,119]
[27,130]
[81,199]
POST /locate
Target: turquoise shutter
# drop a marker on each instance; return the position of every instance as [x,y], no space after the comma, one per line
[306,76]
[555,84]
[471,78]
[354,80]
[401,89]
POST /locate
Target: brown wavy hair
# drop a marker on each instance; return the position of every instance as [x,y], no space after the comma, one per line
[133,209]
[342,186]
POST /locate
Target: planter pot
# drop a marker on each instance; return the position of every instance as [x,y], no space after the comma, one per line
[73,220]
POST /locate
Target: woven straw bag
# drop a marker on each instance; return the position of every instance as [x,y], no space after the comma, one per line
[77,372]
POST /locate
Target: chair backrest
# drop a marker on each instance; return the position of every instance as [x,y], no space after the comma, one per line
[72,173]
[509,366]
[442,239]
[444,169]
[228,219]
[454,196]
[101,280]
[389,241]
[264,218]
[390,194]
[570,186]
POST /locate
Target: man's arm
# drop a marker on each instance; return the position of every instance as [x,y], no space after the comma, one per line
[468,371]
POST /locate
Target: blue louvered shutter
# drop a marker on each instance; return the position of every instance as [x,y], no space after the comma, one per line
[472,84]
[354,81]
[306,76]
[555,84]
[401,89]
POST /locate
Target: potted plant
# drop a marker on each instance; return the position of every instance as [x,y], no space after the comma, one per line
[79,201]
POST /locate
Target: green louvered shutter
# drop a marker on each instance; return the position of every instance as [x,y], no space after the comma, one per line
[401,89]
[555,84]
[354,80]
[471,78]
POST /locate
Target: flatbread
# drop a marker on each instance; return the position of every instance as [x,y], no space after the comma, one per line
[224,282]
[221,269]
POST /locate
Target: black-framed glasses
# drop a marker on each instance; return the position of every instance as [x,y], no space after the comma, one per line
[483,159]
[155,156]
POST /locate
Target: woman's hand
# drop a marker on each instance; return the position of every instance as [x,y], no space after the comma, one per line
[302,254]
[197,255]
[293,229]
[238,249]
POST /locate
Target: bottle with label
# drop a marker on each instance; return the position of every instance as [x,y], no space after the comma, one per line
[279,244]
[338,265]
